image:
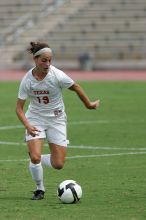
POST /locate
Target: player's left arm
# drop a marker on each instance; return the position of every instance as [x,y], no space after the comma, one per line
[84,98]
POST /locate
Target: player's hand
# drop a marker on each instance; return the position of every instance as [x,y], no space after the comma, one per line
[94,105]
[33,131]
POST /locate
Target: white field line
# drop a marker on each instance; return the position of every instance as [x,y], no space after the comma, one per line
[14,160]
[11,127]
[79,123]
[105,155]
[78,147]
[82,147]
[106,148]
[104,122]
[11,143]
[90,122]
[83,156]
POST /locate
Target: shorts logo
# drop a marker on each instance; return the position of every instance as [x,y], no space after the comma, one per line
[57,112]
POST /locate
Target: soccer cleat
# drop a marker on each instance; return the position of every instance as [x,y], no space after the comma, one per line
[38,195]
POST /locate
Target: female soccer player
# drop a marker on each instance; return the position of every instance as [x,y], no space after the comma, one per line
[45,117]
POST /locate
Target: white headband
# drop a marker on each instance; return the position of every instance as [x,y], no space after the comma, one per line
[39,52]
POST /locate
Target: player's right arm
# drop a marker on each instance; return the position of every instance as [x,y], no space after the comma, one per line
[83,97]
[21,115]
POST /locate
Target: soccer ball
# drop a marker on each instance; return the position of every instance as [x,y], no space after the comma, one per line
[69,192]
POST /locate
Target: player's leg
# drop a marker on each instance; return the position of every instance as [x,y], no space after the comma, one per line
[35,167]
[56,136]
[35,148]
[56,158]
[58,155]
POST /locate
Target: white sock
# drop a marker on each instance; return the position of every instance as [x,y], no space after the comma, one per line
[46,160]
[36,171]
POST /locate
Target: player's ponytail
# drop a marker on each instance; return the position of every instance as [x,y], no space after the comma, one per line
[36,46]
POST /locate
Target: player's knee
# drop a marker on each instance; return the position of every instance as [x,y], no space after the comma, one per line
[58,165]
[35,158]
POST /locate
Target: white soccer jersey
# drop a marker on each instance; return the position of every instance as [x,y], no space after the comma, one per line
[45,95]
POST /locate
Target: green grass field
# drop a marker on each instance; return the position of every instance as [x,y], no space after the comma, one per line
[106,156]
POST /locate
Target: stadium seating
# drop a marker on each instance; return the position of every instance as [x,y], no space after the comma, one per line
[105,30]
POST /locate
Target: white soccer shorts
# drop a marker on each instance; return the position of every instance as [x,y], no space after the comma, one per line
[54,132]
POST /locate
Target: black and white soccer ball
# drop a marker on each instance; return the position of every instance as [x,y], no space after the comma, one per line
[69,191]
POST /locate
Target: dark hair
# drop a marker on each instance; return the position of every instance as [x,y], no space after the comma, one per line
[36,46]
